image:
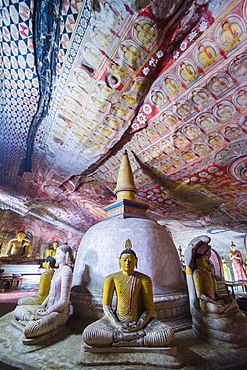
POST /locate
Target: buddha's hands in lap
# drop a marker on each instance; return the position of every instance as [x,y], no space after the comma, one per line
[128,336]
[121,327]
[217,301]
[134,326]
[42,311]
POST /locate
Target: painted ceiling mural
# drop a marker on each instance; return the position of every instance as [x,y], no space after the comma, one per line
[165,80]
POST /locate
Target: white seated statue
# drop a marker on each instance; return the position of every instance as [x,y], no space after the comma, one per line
[214,317]
[38,320]
[132,325]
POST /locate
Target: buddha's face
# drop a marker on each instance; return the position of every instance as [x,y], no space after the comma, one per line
[60,257]
[128,262]
[46,265]
[20,236]
[55,245]
[202,262]
[205,249]
[226,26]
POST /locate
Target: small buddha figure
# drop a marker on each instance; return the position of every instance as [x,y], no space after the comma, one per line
[237,263]
[38,320]
[205,285]
[51,250]
[19,246]
[44,284]
[231,34]
[132,324]
[226,270]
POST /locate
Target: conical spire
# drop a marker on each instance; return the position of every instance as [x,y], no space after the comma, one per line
[125,188]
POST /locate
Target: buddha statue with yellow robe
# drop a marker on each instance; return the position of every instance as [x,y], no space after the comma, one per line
[132,325]
[215,317]
[44,285]
[205,285]
[18,248]
[51,250]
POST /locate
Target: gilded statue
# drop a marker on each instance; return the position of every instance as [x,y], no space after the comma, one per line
[39,320]
[17,248]
[51,250]
[132,324]
[44,285]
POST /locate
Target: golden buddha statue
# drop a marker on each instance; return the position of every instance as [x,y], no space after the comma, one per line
[19,247]
[205,285]
[51,250]
[132,324]
[44,285]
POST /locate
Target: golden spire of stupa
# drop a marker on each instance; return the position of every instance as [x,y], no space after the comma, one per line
[125,188]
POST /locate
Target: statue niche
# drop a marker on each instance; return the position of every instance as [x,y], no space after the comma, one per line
[132,324]
[18,249]
[215,317]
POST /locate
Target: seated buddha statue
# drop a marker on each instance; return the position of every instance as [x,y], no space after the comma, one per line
[51,250]
[44,284]
[215,318]
[38,320]
[132,324]
[205,284]
[19,247]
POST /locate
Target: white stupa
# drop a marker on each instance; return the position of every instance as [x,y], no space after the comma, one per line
[102,244]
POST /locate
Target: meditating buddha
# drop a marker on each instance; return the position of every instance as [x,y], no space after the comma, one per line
[205,285]
[38,320]
[215,317]
[19,246]
[132,324]
[51,250]
[44,284]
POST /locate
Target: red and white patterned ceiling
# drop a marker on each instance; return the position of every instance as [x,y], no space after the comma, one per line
[165,80]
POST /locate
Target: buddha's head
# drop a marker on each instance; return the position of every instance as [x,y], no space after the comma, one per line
[233,247]
[55,244]
[225,25]
[63,255]
[20,236]
[202,255]
[128,259]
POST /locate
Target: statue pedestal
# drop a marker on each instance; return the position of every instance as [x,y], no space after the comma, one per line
[146,356]
[16,260]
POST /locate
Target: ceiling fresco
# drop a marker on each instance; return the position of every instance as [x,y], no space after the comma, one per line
[84,80]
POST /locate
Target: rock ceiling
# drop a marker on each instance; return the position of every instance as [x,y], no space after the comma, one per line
[165,80]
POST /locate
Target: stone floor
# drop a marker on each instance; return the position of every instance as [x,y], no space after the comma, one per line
[65,351]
